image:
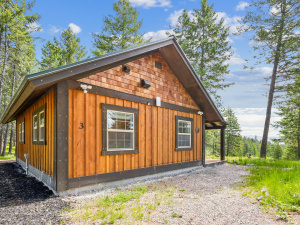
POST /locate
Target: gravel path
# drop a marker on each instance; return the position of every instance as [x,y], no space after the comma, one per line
[204,196]
[209,198]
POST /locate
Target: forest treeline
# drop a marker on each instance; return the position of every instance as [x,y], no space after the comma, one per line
[271,24]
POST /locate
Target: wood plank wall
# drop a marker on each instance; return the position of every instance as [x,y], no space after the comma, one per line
[40,156]
[156,137]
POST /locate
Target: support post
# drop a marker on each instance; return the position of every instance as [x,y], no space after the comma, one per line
[62,120]
[203,140]
[223,143]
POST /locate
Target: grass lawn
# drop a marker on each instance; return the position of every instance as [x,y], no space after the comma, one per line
[126,206]
[9,156]
[275,183]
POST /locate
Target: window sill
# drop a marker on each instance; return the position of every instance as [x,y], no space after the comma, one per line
[183,149]
[120,152]
[39,142]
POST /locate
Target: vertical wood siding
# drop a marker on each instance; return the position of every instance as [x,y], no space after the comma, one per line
[156,137]
[40,156]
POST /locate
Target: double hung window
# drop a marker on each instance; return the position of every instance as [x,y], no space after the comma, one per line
[184,133]
[120,130]
[39,126]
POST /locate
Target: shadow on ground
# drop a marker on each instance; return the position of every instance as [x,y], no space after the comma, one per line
[16,188]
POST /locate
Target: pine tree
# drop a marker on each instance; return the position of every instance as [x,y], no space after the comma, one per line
[277,152]
[204,40]
[120,31]
[58,53]
[289,112]
[17,53]
[274,25]
[232,133]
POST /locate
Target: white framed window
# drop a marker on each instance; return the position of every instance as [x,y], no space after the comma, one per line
[42,125]
[120,130]
[22,131]
[39,126]
[184,133]
[35,128]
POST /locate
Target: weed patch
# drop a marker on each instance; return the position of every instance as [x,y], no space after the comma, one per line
[274,183]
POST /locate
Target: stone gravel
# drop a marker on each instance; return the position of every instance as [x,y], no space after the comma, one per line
[210,197]
[203,196]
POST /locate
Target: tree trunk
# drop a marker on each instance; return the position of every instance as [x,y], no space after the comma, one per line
[5,139]
[1,134]
[11,139]
[263,150]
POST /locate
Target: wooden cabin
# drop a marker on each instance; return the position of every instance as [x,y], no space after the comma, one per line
[130,113]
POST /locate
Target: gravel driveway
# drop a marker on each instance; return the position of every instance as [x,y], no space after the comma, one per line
[204,196]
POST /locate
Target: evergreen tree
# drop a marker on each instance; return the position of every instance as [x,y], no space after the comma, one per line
[274,25]
[120,31]
[204,39]
[58,53]
[17,55]
[289,112]
[277,152]
[232,133]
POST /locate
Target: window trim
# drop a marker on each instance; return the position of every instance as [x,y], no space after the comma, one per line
[105,108]
[177,119]
[37,113]
[22,133]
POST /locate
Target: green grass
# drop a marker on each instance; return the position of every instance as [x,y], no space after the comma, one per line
[135,204]
[9,156]
[275,183]
[109,208]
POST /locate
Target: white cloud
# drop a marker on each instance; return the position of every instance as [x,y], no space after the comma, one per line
[232,22]
[157,35]
[32,27]
[252,121]
[275,10]
[242,6]
[235,59]
[53,29]
[151,3]
[173,18]
[74,28]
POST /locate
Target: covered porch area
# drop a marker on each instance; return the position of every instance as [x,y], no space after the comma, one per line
[209,162]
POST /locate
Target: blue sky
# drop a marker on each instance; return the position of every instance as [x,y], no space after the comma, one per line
[246,97]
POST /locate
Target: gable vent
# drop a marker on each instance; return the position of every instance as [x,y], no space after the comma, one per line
[158,65]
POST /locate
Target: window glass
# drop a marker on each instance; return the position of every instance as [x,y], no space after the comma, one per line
[20,132]
[184,133]
[42,126]
[119,120]
[35,130]
[23,131]
[120,130]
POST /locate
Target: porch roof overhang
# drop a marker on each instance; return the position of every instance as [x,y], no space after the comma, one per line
[35,85]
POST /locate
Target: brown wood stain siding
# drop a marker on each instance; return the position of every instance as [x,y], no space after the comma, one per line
[156,137]
[40,156]
[164,83]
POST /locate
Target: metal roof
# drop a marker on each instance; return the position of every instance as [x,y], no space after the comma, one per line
[34,85]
